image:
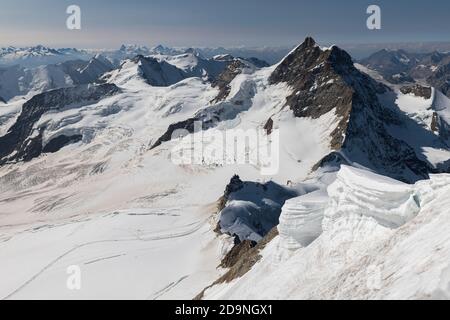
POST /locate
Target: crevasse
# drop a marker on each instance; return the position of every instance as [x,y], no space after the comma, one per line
[356,193]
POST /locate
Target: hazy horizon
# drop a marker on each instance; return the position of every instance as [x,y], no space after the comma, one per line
[201,23]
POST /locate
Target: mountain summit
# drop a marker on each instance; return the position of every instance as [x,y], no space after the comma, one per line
[326,80]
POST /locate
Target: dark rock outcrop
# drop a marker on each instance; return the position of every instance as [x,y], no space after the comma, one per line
[440,127]
[225,78]
[21,143]
[249,210]
[399,66]
[441,79]
[268,127]
[182,128]
[236,253]
[187,125]
[241,260]
[60,142]
[158,73]
[325,81]
[257,62]
[418,91]
[235,185]
[390,62]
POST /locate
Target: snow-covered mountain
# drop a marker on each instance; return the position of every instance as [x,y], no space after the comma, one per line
[93,175]
[165,70]
[399,66]
[39,55]
[364,237]
[270,54]
[16,81]
[441,78]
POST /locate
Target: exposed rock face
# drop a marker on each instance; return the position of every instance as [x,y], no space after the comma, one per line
[23,142]
[441,79]
[95,68]
[418,91]
[241,259]
[246,206]
[2,100]
[235,254]
[440,127]
[250,210]
[187,125]
[61,141]
[435,123]
[400,78]
[318,87]
[269,126]
[158,73]
[224,79]
[325,81]
[390,62]
[399,66]
[257,62]
[235,185]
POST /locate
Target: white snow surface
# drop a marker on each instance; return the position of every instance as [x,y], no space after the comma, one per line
[141,226]
[110,203]
[381,239]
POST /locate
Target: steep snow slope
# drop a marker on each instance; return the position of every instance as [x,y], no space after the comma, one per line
[432,116]
[8,115]
[195,66]
[381,239]
[17,81]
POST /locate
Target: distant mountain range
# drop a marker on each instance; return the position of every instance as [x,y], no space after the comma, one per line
[41,55]
[400,67]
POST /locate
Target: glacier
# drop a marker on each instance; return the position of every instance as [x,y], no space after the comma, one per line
[106,196]
[378,239]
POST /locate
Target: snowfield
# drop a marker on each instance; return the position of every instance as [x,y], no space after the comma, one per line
[403,255]
[142,221]
[114,204]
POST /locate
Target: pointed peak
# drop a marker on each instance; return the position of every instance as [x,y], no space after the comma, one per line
[309,42]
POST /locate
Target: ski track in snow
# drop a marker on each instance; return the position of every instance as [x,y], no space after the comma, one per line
[166,234]
[166,289]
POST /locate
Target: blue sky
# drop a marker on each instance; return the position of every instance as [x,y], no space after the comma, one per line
[108,23]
